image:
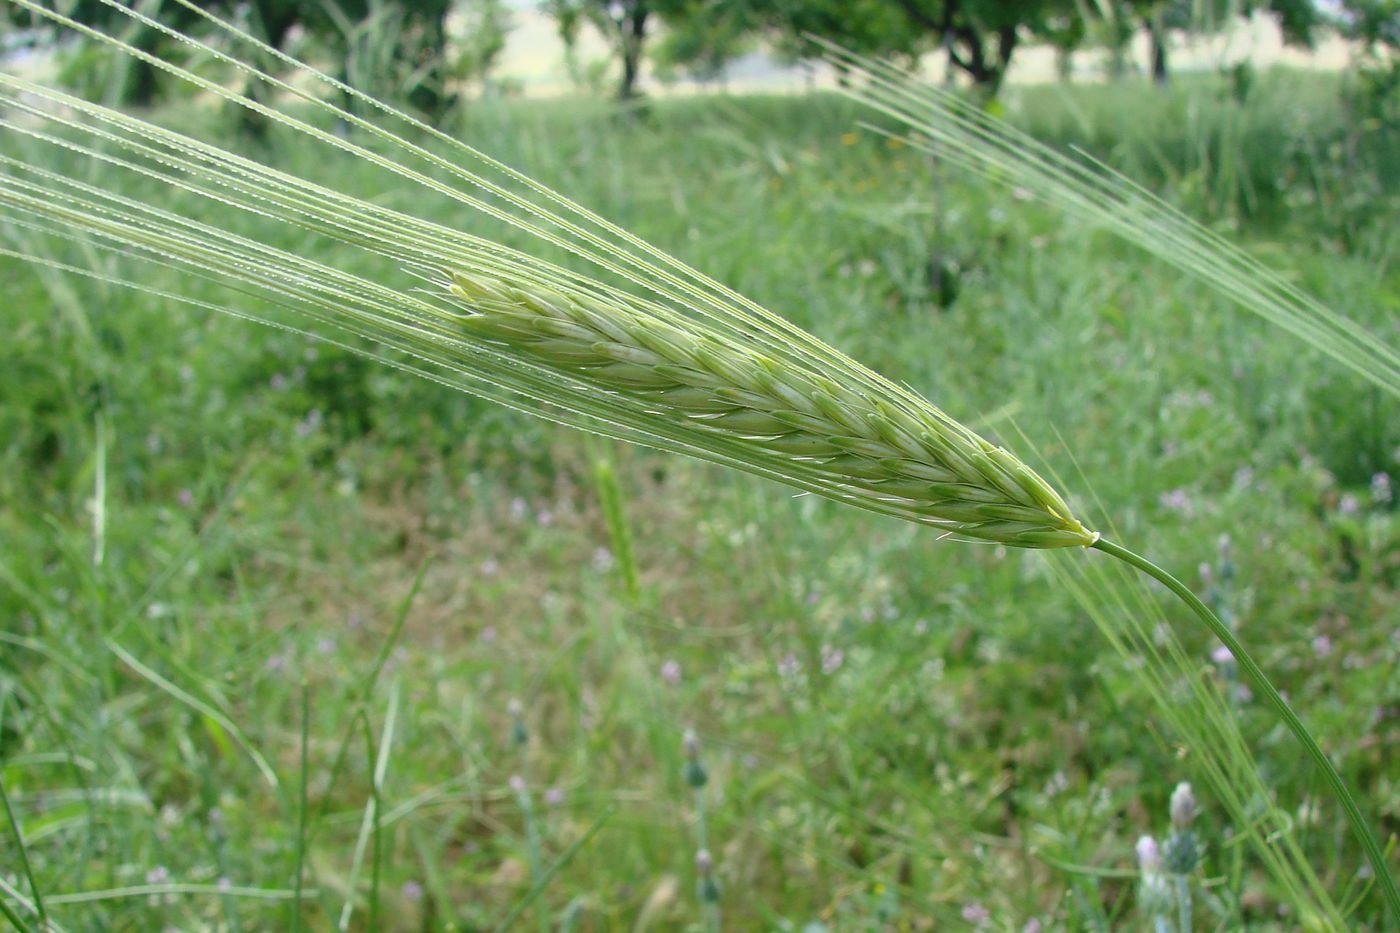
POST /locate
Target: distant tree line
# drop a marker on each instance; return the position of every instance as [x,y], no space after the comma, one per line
[400,48]
[978,37]
[395,48]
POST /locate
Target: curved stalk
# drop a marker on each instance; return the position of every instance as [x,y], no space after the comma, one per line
[1261,685]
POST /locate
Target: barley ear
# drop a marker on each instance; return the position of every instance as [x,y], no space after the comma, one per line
[847,440]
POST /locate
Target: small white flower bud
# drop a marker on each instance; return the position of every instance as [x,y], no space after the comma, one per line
[1149,856]
[1183,807]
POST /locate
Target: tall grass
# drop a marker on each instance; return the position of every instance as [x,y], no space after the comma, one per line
[400,310]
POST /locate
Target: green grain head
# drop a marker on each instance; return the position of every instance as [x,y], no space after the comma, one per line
[896,450]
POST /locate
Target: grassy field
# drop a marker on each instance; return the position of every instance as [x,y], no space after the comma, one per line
[269,608]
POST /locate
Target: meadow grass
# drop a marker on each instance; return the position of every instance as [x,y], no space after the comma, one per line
[895,730]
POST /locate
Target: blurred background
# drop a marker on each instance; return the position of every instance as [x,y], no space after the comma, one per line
[269,611]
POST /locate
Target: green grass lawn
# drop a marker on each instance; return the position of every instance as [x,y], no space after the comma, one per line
[266,605]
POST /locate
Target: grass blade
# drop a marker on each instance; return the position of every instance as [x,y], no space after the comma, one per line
[199,705]
[20,847]
[538,887]
[295,919]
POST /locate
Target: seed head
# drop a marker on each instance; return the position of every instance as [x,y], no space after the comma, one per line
[519,735]
[846,437]
[707,887]
[690,744]
[1154,893]
[695,774]
[1183,807]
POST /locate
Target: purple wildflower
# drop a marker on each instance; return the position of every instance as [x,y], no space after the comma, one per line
[602,559]
[1176,501]
[671,671]
[976,914]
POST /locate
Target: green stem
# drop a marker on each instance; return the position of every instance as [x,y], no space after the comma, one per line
[24,858]
[296,906]
[1260,683]
[1183,904]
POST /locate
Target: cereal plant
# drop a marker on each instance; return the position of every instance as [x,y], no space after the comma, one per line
[593,328]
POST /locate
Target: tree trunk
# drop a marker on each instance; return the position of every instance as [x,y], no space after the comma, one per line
[1158,33]
[986,71]
[634,33]
[1006,47]
[1064,64]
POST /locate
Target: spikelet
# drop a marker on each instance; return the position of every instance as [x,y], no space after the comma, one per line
[898,450]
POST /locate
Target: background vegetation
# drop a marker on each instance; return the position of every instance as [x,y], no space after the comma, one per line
[270,610]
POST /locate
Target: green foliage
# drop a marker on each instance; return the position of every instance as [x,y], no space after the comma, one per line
[1118,20]
[392,48]
[979,36]
[397,51]
[702,36]
[897,732]
[1376,23]
[483,40]
[624,24]
[124,79]
[977,743]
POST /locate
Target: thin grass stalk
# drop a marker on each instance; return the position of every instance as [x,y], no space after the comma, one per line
[37,899]
[613,502]
[303,771]
[1135,625]
[1228,770]
[1259,681]
[536,889]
